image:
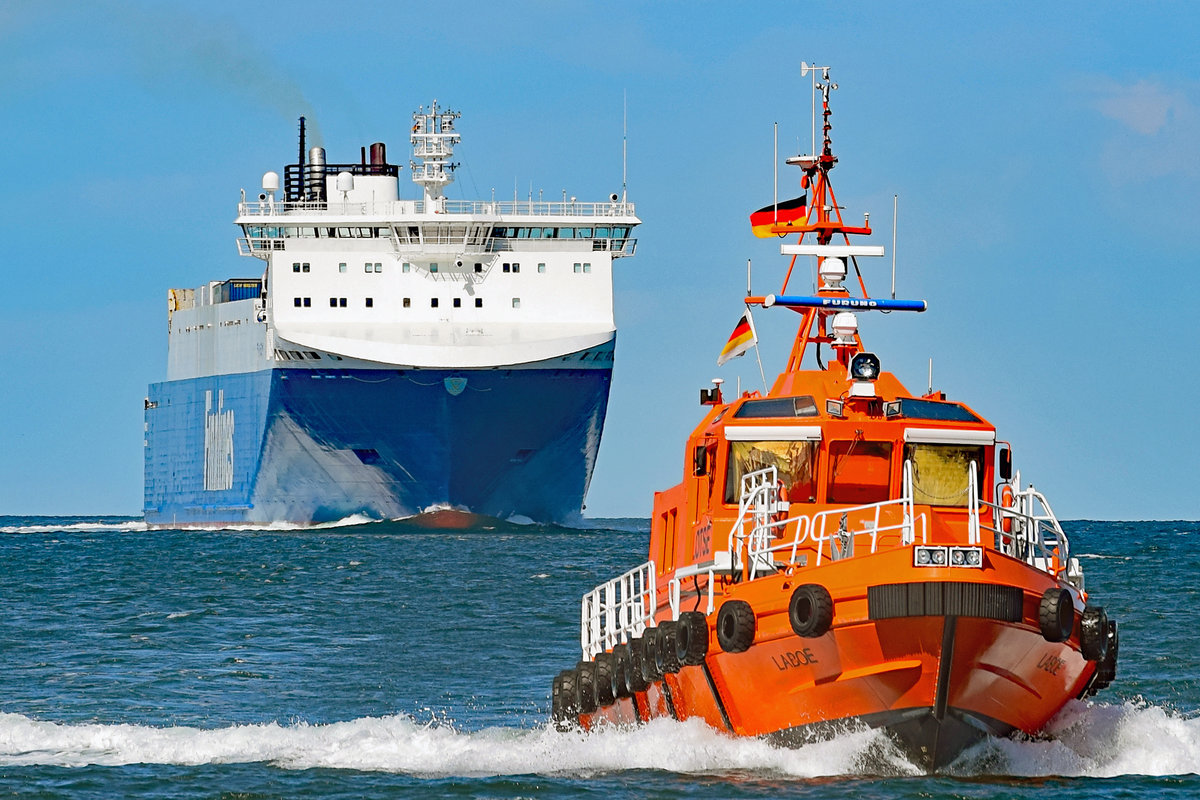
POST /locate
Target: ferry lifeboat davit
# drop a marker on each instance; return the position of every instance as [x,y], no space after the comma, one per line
[842,552]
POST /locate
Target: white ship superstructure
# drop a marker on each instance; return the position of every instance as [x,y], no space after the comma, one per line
[397,354]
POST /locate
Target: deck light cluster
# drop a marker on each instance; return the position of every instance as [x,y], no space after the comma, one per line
[935,556]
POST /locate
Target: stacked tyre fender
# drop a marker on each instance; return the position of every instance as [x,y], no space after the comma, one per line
[665,649]
[1098,640]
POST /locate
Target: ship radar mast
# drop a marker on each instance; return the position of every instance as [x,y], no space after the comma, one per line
[433,139]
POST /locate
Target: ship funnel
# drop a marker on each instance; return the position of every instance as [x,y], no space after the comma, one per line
[378,154]
[316,173]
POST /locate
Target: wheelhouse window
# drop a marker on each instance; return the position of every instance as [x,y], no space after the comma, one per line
[859,472]
[941,472]
[795,462]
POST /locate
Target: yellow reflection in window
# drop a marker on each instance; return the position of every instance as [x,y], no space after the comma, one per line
[941,472]
[795,463]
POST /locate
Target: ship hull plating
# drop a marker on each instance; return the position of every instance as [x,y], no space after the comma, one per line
[311,446]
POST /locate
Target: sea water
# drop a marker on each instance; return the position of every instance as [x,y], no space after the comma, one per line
[378,659]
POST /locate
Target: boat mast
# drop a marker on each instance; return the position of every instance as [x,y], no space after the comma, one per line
[824,222]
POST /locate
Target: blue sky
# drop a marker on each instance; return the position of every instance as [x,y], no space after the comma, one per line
[1046,157]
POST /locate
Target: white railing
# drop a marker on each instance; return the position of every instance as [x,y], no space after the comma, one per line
[405,208]
[617,610]
[1028,530]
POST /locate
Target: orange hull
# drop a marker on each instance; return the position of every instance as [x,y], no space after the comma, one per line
[936,683]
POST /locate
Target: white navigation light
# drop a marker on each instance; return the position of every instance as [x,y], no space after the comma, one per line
[832,272]
[845,326]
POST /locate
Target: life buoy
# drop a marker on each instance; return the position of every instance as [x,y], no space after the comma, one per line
[1007,501]
[781,504]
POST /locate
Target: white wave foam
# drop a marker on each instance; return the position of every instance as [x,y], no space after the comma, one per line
[1098,740]
[138,526]
[130,526]
[399,744]
[1086,740]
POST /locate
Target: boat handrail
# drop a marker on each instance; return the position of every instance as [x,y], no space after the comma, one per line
[617,610]
[1034,533]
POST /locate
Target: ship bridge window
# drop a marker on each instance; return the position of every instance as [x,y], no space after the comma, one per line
[859,472]
[585,233]
[777,407]
[940,472]
[795,463]
[602,233]
[566,233]
[915,408]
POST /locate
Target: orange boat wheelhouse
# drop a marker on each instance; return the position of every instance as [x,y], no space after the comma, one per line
[841,550]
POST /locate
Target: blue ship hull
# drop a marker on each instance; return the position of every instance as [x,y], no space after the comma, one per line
[311,446]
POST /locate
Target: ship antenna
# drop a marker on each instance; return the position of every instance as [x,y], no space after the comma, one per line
[624,143]
[895,211]
[806,68]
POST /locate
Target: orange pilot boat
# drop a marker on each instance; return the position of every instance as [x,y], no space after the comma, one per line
[841,552]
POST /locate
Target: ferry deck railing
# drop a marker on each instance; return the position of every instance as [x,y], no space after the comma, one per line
[617,610]
[487,209]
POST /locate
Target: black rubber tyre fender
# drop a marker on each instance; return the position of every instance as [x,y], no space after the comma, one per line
[622,669]
[665,652]
[735,626]
[568,693]
[635,678]
[691,638]
[650,671]
[811,611]
[556,704]
[605,667]
[1106,670]
[1093,633]
[585,686]
[1056,615]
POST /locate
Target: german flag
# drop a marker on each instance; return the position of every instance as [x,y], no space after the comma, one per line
[741,340]
[789,212]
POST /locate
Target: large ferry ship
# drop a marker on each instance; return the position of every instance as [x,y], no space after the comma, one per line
[395,356]
[842,552]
